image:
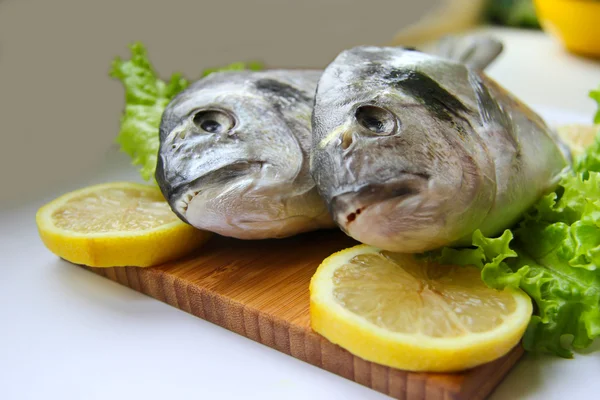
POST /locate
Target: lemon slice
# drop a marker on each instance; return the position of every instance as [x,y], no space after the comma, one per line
[396,311]
[577,136]
[116,224]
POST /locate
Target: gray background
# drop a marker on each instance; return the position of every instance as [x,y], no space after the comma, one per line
[59,110]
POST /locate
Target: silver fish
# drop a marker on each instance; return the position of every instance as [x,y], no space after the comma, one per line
[413,151]
[233,156]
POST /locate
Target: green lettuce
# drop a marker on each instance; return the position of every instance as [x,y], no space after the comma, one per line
[595,94]
[146,97]
[238,66]
[515,13]
[553,255]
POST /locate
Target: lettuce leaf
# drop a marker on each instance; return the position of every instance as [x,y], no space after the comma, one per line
[554,256]
[239,66]
[590,160]
[146,97]
[595,95]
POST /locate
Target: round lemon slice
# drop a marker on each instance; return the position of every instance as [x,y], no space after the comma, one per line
[116,224]
[577,136]
[396,311]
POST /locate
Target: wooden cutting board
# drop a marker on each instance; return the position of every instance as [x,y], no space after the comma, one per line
[259,289]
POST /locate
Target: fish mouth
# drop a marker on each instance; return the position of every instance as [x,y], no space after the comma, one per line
[184,193]
[348,206]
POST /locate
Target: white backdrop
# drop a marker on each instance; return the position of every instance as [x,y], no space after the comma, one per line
[59,110]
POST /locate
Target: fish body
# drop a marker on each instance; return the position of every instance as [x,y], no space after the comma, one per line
[233,155]
[413,151]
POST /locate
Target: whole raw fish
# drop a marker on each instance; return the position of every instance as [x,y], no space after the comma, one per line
[233,156]
[413,151]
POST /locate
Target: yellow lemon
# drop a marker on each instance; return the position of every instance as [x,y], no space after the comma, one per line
[396,311]
[578,137]
[575,23]
[116,224]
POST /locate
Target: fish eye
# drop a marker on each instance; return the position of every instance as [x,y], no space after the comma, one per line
[376,119]
[214,121]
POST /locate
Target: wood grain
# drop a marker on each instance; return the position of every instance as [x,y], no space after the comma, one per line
[259,289]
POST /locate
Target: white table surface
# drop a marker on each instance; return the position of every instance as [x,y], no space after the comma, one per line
[66,333]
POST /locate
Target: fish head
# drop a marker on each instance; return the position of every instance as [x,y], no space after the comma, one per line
[395,155]
[233,153]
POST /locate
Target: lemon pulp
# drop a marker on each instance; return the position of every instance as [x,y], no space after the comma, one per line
[114,209]
[116,224]
[437,300]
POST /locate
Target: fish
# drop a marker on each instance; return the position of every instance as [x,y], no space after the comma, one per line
[234,149]
[414,151]
[233,157]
